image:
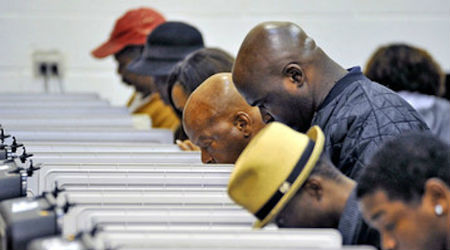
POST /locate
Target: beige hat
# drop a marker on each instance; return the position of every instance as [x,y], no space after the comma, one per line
[272,167]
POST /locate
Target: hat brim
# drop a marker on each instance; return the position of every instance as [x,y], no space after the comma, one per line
[148,67]
[107,49]
[158,60]
[163,52]
[316,135]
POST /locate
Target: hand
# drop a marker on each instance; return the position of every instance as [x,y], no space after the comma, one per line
[187,145]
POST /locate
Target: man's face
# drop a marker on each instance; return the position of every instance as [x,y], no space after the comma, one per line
[143,84]
[304,211]
[278,98]
[219,140]
[123,59]
[401,225]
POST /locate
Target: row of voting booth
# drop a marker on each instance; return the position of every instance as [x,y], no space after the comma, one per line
[77,173]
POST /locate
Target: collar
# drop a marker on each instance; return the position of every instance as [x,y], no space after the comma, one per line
[354,74]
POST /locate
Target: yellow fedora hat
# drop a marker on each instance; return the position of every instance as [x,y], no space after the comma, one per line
[272,167]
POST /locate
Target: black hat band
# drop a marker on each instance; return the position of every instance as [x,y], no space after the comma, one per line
[286,185]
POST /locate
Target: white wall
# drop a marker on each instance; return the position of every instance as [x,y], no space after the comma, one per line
[348,30]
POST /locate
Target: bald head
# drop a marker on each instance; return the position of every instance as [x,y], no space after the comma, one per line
[215,97]
[271,45]
[279,68]
[216,111]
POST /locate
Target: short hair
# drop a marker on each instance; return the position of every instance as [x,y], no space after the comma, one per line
[197,67]
[325,168]
[403,67]
[402,166]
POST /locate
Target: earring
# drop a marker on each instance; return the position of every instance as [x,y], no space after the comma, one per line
[438,210]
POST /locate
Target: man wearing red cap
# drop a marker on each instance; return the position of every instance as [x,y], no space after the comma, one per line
[126,43]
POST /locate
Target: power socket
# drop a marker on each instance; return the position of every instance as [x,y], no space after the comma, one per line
[48,64]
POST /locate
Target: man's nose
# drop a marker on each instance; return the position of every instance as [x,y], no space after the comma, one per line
[388,242]
[206,157]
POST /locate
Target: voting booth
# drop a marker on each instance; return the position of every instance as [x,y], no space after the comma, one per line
[76,173]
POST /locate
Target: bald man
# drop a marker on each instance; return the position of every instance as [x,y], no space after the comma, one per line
[281,70]
[218,120]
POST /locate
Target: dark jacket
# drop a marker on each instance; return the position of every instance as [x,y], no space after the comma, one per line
[352,227]
[357,116]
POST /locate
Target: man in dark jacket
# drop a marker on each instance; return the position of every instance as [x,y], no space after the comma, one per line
[283,72]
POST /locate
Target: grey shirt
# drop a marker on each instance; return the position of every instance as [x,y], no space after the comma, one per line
[434,110]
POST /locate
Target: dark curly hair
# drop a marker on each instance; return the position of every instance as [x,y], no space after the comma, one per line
[403,165]
[403,67]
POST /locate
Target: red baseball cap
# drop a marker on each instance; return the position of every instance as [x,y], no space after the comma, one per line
[130,29]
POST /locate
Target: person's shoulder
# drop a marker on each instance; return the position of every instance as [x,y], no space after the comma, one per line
[376,90]
[370,99]
[378,96]
[362,96]
[441,108]
[443,104]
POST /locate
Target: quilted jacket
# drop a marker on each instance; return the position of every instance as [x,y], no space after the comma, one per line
[357,116]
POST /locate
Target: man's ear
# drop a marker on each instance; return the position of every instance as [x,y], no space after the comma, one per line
[295,74]
[314,187]
[242,122]
[437,196]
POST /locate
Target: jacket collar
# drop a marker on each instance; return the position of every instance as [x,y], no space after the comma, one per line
[354,74]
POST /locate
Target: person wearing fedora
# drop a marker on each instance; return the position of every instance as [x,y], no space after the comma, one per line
[218,120]
[284,177]
[126,42]
[282,70]
[405,192]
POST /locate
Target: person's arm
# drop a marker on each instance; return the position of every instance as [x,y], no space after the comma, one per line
[187,145]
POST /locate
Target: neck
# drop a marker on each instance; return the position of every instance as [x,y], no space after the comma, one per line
[329,73]
[341,191]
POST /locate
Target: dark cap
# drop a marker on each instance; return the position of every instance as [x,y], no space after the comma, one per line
[168,44]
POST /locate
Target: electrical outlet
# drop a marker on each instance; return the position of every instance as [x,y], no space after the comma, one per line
[48,64]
